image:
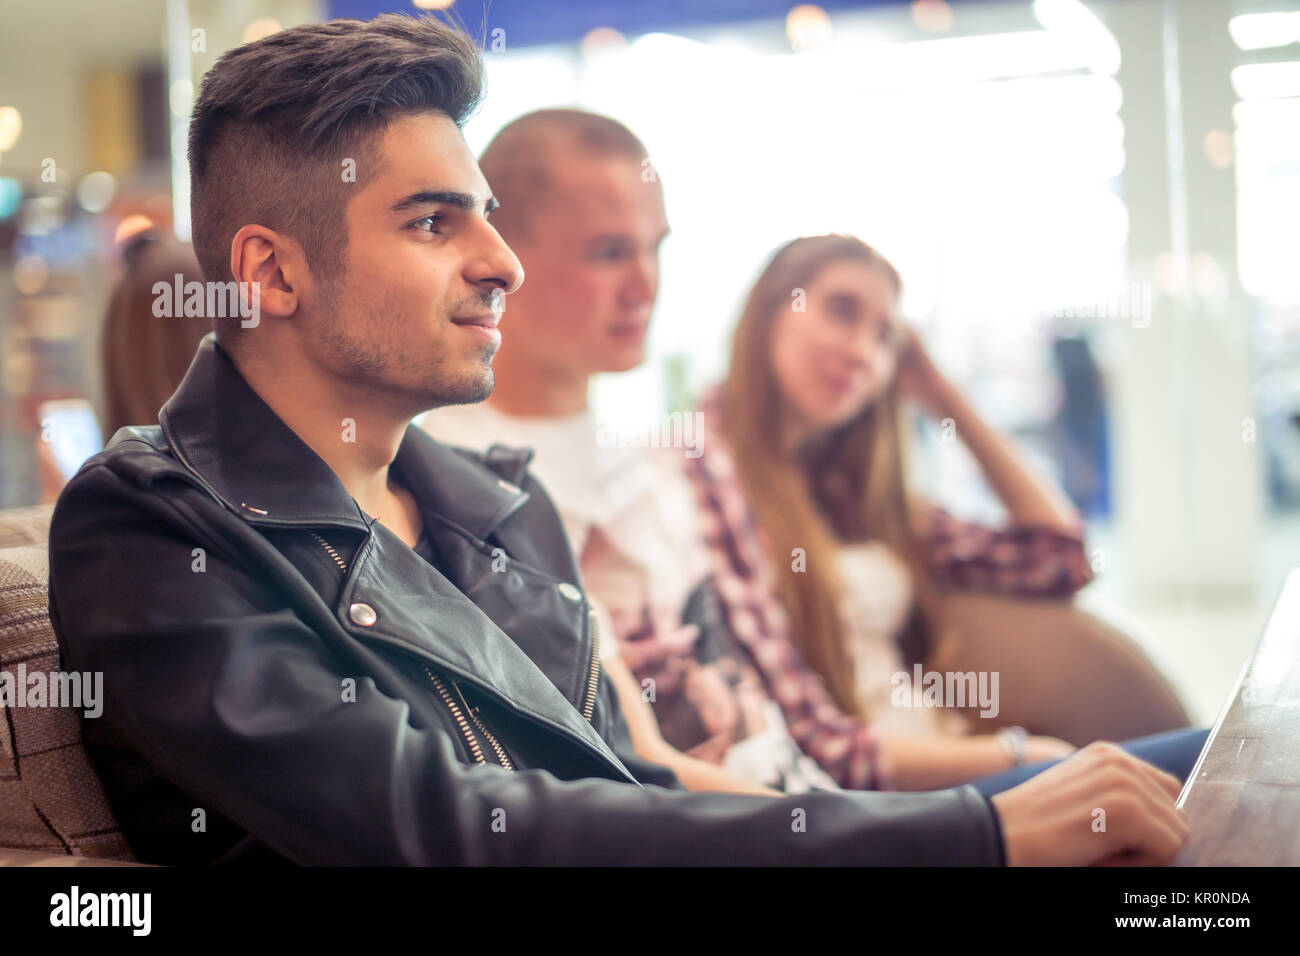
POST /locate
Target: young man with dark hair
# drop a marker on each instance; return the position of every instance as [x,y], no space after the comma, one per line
[335,640]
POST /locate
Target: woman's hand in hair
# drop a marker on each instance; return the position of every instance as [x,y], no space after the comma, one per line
[920,380]
[1031,498]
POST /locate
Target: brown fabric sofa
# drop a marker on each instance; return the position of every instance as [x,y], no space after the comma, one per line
[51,801]
[1061,672]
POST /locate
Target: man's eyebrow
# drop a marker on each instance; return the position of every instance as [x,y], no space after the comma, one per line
[620,237]
[444,197]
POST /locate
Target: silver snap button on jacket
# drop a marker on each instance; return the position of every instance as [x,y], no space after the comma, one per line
[569,591]
[362,614]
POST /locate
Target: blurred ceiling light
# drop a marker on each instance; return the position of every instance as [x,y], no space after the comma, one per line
[1219,149]
[928,63]
[667,45]
[1058,95]
[433,4]
[131,226]
[96,191]
[1071,20]
[932,16]
[809,27]
[600,42]
[1266,81]
[261,27]
[181,98]
[31,272]
[11,127]
[1259,31]
[1111,162]
[1268,131]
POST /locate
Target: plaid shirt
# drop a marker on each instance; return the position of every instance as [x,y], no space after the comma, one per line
[1020,561]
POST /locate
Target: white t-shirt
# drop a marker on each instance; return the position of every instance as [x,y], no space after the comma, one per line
[630,515]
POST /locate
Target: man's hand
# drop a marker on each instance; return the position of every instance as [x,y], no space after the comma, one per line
[1102,805]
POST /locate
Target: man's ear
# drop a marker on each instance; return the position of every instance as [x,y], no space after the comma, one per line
[274,262]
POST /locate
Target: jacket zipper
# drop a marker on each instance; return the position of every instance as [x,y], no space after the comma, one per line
[332,553]
[593,675]
[476,751]
[473,715]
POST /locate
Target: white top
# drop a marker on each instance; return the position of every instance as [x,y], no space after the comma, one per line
[879,594]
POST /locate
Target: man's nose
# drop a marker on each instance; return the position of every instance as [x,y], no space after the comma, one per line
[642,283]
[493,263]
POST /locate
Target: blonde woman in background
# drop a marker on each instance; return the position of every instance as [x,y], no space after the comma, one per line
[804,457]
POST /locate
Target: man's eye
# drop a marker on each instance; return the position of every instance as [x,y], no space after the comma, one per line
[432,222]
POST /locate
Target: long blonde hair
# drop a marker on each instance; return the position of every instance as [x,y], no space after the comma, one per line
[848,485]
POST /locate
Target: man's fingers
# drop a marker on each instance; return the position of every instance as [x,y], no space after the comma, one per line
[1159,829]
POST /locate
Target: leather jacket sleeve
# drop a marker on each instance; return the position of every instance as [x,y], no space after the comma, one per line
[232,697]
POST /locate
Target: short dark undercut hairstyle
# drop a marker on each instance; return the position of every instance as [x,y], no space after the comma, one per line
[277,120]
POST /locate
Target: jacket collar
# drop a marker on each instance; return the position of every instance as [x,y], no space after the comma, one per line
[222,431]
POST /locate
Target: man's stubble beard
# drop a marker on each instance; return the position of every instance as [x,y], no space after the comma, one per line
[364,351]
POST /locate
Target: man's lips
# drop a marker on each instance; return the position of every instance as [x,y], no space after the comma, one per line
[483,327]
[488,320]
[631,329]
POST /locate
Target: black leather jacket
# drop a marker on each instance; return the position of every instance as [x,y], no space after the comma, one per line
[285,680]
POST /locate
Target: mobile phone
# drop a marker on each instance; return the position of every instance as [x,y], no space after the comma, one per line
[72,431]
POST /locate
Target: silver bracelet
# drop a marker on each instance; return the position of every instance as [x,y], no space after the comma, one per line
[1013,741]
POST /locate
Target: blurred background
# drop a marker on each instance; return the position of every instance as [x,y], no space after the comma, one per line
[1094,208]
